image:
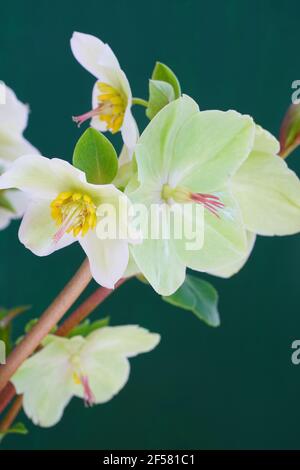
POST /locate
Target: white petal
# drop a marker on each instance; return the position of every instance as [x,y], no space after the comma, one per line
[92,53]
[38,229]
[13,114]
[13,146]
[130,132]
[5,218]
[128,340]
[108,258]
[40,176]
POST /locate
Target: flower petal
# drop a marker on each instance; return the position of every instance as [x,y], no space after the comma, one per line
[155,148]
[40,176]
[37,230]
[130,132]
[108,258]
[45,379]
[13,146]
[127,340]
[224,238]
[92,53]
[13,113]
[209,149]
[267,191]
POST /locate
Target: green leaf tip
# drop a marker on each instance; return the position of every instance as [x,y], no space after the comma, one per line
[163,73]
[199,297]
[95,155]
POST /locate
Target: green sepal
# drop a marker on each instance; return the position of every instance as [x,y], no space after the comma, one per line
[163,73]
[160,94]
[198,296]
[96,156]
[18,428]
[86,327]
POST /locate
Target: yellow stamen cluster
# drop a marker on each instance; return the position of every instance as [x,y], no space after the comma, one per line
[74,213]
[112,105]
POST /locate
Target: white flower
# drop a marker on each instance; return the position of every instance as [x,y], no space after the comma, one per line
[112,98]
[13,121]
[64,208]
[94,368]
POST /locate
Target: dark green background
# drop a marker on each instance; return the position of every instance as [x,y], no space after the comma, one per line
[232,387]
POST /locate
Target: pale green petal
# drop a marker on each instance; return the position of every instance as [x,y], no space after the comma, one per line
[156,145]
[267,191]
[209,149]
[107,374]
[128,340]
[13,113]
[225,238]
[45,379]
[232,268]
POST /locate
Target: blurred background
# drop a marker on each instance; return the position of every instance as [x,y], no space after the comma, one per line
[233,387]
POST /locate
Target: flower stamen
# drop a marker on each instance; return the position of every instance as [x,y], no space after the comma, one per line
[111,108]
[73,213]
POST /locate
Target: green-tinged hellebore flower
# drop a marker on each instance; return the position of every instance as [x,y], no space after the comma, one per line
[268,193]
[94,368]
[112,98]
[13,121]
[64,208]
[189,157]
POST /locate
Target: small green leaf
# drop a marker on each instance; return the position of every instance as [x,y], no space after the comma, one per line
[5,203]
[86,327]
[290,131]
[198,296]
[160,94]
[96,156]
[163,73]
[18,428]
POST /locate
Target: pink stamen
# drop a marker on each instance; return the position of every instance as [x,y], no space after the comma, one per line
[84,117]
[89,398]
[209,201]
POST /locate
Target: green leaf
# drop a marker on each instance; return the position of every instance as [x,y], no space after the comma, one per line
[96,156]
[18,428]
[163,73]
[86,327]
[160,94]
[5,203]
[198,296]
[290,131]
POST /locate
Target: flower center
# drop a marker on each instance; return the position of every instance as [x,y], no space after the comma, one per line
[73,213]
[181,195]
[111,108]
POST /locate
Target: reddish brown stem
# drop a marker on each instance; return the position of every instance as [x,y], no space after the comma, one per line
[11,414]
[6,396]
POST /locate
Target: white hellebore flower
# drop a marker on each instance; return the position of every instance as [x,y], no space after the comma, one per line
[64,208]
[94,368]
[112,98]
[13,121]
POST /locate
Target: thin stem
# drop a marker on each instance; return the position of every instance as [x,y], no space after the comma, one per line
[140,102]
[11,414]
[6,396]
[47,321]
[87,307]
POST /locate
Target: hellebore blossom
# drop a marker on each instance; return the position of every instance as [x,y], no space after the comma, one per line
[94,368]
[13,121]
[65,208]
[189,157]
[112,98]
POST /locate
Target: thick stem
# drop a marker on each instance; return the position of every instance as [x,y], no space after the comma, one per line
[47,321]
[11,414]
[86,308]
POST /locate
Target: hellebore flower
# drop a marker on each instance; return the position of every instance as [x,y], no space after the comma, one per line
[189,157]
[268,193]
[65,208]
[94,368]
[112,98]
[13,121]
